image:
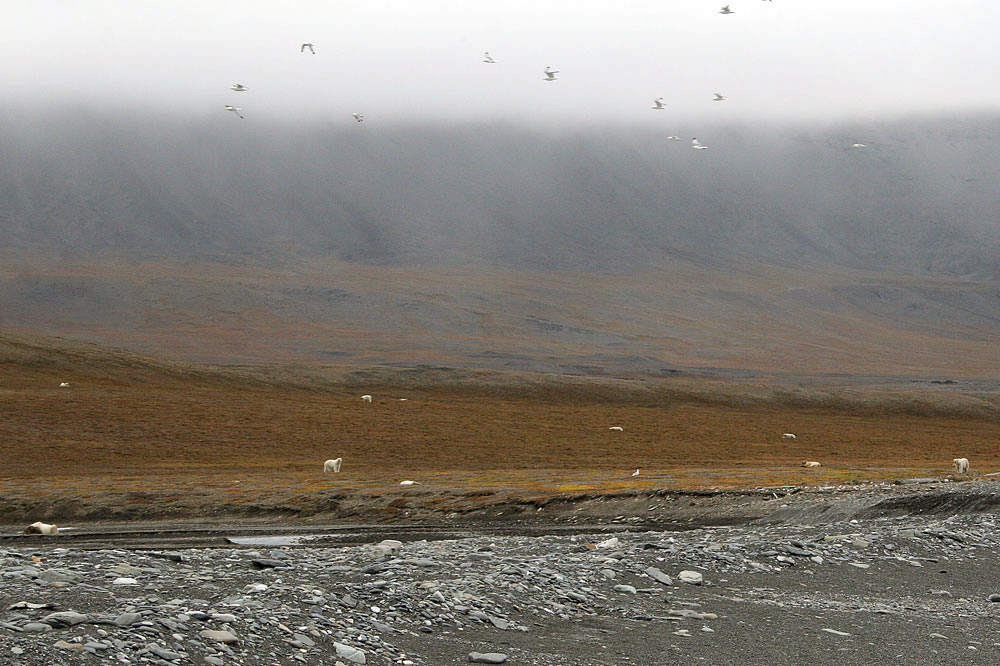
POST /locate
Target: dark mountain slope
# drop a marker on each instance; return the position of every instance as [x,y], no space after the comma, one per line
[916,199]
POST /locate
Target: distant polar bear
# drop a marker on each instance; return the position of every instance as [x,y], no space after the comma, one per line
[788,435]
[366,398]
[41,528]
[961,465]
[332,465]
[810,463]
[617,428]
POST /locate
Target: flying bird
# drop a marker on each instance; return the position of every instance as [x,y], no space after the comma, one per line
[719,98]
[859,145]
[673,138]
[697,144]
[488,58]
[550,74]
[239,87]
[359,117]
[635,473]
[307,45]
[234,109]
[726,10]
[658,104]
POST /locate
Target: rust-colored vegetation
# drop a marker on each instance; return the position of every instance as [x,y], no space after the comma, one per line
[225,438]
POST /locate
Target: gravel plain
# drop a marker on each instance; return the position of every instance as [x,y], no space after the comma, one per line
[806,583]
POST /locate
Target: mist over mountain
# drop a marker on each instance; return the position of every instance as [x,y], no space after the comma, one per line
[582,250]
[920,197]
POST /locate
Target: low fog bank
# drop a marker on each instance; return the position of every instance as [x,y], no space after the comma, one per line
[921,196]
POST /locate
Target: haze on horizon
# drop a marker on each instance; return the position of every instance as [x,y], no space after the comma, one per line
[403,61]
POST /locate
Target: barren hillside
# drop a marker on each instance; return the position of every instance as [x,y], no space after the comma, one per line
[584,252]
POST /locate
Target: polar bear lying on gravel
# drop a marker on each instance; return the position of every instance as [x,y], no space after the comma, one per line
[41,528]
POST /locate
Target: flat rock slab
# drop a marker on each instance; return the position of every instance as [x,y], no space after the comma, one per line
[269,564]
[487,657]
[659,576]
[218,635]
[64,619]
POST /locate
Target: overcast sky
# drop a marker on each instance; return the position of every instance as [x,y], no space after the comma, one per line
[398,60]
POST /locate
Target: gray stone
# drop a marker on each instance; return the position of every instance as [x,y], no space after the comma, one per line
[353,655]
[691,577]
[659,576]
[797,550]
[261,563]
[218,635]
[64,619]
[36,627]
[499,622]
[625,589]
[487,657]
[163,653]
[127,619]
[59,576]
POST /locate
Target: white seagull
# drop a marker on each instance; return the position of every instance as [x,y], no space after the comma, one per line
[635,473]
[488,58]
[359,117]
[673,138]
[550,74]
[307,45]
[234,109]
[859,145]
[718,97]
[726,10]
[239,87]
[697,144]
[658,104]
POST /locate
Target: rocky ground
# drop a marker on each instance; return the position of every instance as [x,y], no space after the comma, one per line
[908,578]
